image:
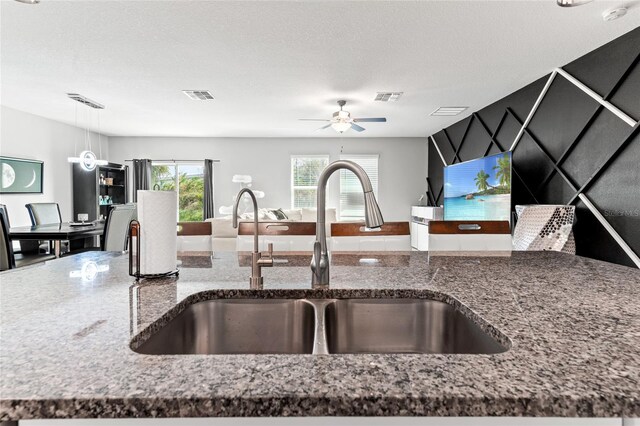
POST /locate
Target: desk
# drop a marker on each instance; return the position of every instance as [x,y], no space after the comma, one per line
[56,232]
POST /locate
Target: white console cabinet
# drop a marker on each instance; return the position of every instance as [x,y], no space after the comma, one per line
[420,218]
[420,236]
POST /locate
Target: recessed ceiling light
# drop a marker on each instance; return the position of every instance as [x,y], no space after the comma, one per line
[448,111]
[85,100]
[388,96]
[29,1]
[572,3]
[198,95]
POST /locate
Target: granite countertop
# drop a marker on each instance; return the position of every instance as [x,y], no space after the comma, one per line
[573,324]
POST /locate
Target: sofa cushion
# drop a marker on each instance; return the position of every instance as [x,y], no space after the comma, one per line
[280,215]
[222,227]
[263,214]
[310,215]
[269,214]
[293,214]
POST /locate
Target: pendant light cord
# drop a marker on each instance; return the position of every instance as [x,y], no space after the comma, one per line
[87,142]
[99,136]
[75,140]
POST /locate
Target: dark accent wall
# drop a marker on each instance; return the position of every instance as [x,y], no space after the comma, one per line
[571,145]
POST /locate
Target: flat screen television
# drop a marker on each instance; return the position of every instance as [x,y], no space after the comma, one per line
[479,189]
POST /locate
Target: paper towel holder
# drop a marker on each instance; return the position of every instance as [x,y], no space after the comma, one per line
[134,226]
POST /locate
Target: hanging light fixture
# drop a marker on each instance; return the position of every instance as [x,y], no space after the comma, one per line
[341,126]
[87,159]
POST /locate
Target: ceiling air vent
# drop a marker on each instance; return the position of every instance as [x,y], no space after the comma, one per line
[198,95]
[448,111]
[388,96]
[85,100]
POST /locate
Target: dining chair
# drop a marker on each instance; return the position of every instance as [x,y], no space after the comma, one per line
[8,259]
[26,246]
[45,214]
[116,227]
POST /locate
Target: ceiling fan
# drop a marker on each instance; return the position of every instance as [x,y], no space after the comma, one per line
[342,121]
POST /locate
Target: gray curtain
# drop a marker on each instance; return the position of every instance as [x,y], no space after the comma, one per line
[141,176]
[208,206]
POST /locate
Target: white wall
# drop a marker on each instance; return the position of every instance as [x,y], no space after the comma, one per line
[402,164]
[30,136]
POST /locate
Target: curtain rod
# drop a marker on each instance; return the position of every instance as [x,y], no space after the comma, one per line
[175,161]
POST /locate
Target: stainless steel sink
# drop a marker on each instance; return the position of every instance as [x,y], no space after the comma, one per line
[322,326]
[423,326]
[237,326]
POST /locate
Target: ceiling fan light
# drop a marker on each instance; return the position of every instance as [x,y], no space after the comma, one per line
[572,3]
[341,126]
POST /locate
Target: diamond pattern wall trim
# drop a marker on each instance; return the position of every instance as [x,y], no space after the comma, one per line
[579,191]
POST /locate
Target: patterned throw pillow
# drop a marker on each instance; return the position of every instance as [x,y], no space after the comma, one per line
[268,214]
[544,227]
[279,214]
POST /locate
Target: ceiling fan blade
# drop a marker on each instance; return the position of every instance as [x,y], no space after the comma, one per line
[370,120]
[312,119]
[357,128]
[324,127]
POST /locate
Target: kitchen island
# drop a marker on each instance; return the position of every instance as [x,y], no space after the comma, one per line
[573,329]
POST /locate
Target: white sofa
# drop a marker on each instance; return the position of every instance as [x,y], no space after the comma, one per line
[225,238]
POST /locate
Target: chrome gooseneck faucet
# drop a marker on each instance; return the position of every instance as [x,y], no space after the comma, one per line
[372,217]
[257,261]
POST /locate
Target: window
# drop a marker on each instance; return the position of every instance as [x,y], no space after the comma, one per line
[305,171]
[189,179]
[351,197]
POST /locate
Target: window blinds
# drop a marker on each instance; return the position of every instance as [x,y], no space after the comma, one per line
[305,171]
[351,196]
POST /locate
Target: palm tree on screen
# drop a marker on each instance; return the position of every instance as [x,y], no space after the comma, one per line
[503,171]
[482,180]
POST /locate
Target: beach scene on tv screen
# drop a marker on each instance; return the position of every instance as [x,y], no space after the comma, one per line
[478,189]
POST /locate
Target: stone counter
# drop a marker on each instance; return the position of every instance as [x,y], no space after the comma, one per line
[573,325]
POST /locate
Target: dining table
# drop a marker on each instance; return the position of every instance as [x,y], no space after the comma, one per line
[57,232]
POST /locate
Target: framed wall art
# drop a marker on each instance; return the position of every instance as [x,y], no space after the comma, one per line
[21,176]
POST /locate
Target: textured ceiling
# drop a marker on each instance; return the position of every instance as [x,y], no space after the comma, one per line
[270,63]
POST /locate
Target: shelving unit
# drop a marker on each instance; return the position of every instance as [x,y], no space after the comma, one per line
[87,189]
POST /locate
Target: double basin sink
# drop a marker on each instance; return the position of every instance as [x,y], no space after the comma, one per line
[321,326]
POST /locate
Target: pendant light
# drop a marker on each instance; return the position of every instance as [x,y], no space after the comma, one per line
[87,158]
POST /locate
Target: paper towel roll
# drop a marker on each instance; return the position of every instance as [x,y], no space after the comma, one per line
[158,230]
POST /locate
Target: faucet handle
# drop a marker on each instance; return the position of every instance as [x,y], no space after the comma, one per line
[315,260]
[267,259]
